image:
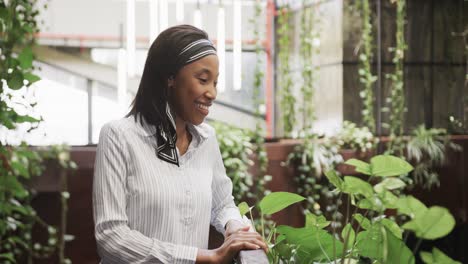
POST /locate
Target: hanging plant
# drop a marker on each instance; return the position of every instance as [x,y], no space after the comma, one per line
[288,101]
[396,101]
[366,77]
[310,42]
[259,133]
[19,163]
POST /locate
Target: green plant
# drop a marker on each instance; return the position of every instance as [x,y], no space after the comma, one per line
[309,159]
[310,35]
[366,77]
[356,138]
[369,232]
[396,101]
[288,101]
[19,163]
[236,150]
[436,256]
[258,133]
[427,149]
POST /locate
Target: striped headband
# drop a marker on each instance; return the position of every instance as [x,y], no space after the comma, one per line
[196,50]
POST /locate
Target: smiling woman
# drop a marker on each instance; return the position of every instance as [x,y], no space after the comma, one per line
[159,179]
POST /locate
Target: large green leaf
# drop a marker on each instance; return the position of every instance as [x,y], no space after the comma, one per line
[32,78]
[277,201]
[387,165]
[392,227]
[436,222]
[15,81]
[20,169]
[410,206]
[243,208]
[353,185]
[362,221]
[389,184]
[11,184]
[378,243]
[316,221]
[348,235]
[388,199]
[334,179]
[361,166]
[437,257]
[26,119]
[371,203]
[314,244]
[26,58]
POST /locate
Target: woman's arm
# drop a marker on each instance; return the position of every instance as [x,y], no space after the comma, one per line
[223,206]
[116,242]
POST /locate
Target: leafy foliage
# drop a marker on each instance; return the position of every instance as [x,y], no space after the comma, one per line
[366,77]
[288,101]
[309,160]
[236,149]
[310,39]
[259,133]
[428,149]
[396,101]
[378,236]
[19,163]
[356,138]
[437,256]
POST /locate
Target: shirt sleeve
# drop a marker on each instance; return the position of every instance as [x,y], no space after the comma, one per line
[223,206]
[116,242]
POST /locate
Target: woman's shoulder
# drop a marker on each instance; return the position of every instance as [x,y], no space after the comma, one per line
[206,130]
[120,126]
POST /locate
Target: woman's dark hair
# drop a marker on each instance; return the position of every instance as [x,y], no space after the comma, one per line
[161,64]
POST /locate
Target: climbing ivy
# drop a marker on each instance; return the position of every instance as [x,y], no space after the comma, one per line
[288,101]
[18,162]
[310,35]
[396,101]
[258,134]
[366,77]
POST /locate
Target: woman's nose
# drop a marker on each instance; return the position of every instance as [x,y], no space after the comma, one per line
[212,92]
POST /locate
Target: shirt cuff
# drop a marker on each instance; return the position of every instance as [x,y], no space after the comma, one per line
[185,255]
[226,215]
[172,253]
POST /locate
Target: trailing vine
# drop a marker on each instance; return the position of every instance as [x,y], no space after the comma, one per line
[258,133]
[366,77]
[309,36]
[288,101]
[396,101]
[19,163]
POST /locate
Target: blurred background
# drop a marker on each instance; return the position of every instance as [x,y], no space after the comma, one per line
[304,86]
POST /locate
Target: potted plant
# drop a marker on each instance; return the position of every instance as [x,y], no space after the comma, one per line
[369,232]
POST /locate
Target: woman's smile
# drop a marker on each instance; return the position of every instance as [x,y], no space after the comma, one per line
[203,108]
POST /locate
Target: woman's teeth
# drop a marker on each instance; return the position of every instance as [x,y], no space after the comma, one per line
[203,106]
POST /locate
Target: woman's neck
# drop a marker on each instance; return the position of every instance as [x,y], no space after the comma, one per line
[181,128]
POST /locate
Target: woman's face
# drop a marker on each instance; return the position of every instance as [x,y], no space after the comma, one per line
[193,89]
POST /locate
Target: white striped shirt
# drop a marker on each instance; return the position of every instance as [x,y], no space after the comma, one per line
[150,211]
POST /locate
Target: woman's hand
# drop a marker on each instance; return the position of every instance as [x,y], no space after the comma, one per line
[233,226]
[237,241]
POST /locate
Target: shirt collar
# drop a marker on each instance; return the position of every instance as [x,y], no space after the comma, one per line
[148,130]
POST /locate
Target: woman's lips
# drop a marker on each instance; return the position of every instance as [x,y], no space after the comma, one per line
[203,108]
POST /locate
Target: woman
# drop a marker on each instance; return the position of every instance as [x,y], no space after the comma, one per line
[159,179]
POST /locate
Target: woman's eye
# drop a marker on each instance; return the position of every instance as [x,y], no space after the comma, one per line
[203,80]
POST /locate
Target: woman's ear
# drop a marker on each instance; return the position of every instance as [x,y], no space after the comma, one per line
[170,81]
